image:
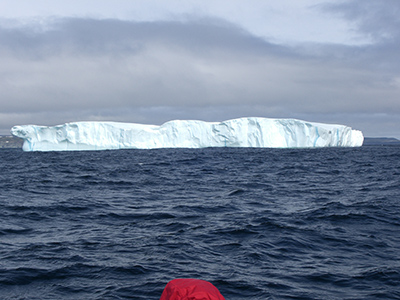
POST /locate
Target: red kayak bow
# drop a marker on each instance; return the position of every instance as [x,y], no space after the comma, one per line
[190,289]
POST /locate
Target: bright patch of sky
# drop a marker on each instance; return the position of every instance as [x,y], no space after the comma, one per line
[282,22]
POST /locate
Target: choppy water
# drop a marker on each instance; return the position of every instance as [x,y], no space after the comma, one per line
[257,223]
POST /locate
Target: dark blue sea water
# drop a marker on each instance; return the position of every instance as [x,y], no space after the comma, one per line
[257,223]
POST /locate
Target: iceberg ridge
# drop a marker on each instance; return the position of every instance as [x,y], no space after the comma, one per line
[242,132]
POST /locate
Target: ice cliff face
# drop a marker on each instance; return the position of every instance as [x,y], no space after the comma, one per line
[243,132]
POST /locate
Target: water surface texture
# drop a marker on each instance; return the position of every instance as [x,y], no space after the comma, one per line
[257,223]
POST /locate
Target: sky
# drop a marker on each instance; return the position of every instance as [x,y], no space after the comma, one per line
[151,61]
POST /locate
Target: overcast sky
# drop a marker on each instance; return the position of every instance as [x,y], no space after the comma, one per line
[151,61]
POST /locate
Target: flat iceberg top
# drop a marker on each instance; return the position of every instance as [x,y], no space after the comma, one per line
[242,132]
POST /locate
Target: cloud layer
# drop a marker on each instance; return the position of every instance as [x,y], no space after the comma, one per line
[72,69]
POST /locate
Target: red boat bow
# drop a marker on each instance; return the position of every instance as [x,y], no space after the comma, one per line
[190,289]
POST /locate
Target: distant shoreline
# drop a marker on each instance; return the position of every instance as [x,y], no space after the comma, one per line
[9,141]
[380,141]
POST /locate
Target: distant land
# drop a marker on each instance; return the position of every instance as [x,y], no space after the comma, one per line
[9,141]
[380,141]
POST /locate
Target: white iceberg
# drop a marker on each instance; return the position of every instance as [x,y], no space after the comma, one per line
[243,132]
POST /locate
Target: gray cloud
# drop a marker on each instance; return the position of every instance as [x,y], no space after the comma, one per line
[380,19]
[152,72]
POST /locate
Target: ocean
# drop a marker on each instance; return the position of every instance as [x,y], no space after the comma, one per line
[256,223]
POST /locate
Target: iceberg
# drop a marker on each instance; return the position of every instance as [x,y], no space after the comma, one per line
[242,132]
